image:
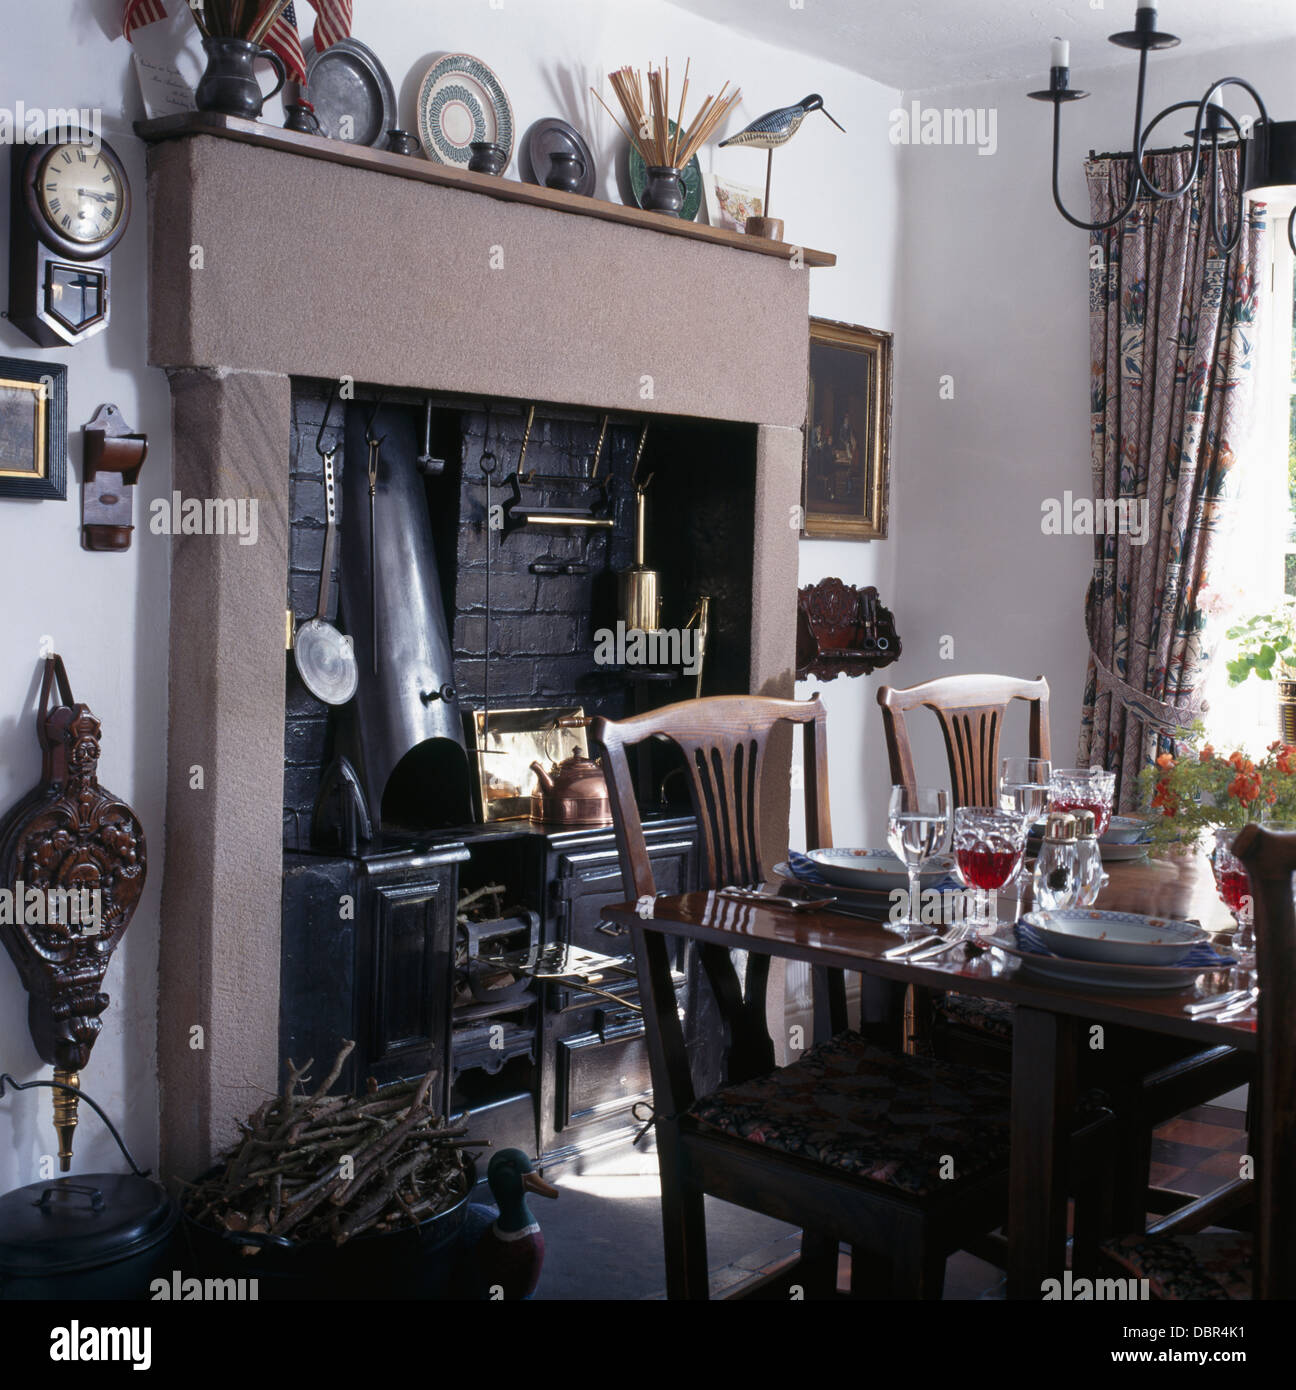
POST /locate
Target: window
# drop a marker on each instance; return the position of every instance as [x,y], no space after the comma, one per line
[1255,564]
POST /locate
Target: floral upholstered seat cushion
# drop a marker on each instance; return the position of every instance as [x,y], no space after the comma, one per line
[1209,1265]
[990,1016]
[907,1122]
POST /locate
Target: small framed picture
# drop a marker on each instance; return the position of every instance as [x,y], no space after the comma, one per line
[33,429]
[846,470]
[730,204]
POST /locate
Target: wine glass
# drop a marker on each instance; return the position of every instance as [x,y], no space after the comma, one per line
[989,846]
[917,824]
[1024,787]
[1084,789]
[1234,888]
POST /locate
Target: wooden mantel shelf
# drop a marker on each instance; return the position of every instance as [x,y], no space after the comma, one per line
[449,176]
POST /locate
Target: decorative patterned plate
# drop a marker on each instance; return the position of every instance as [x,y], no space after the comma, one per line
[547,137]
[1116,938]
[1100,974]
[875,869]
[350,91]
[1116,854]
[460,101]
[692,179]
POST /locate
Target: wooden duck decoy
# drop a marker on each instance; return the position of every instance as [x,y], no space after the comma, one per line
[767,133]
[503,1250]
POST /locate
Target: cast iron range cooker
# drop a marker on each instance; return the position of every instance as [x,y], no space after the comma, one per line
[371,947]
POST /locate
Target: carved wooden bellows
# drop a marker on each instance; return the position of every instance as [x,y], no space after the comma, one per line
[72,867]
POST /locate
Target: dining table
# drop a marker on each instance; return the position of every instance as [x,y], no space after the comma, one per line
[1051,1023]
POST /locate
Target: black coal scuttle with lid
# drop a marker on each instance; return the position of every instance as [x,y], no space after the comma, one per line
[93,1236]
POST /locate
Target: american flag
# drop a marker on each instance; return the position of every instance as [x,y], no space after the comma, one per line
[282,38]
[142,12]
[332,22]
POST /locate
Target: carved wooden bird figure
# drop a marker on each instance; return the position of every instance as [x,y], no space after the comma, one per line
[776,128]
[504,1250]
[767,133]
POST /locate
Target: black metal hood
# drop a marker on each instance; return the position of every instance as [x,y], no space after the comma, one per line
[406,734]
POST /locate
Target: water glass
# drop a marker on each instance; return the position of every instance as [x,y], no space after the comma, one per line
[1084,789]
[1024,787]
[989,846]
[917,826]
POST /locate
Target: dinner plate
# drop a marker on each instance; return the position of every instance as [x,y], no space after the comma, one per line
[690,177]
[1126,830]
[548,137]
[461,101]
[1061,969]
[1117,854]
[876,869]
[1115,938]
[353,97]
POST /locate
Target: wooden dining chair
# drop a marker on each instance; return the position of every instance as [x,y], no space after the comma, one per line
[1155,1079]
[1179,1257]
[853,1142]
[971,712]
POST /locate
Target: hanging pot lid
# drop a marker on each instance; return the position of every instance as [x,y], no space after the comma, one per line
[70,1224]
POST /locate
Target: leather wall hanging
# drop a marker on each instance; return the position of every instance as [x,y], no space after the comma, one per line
[72,868]
[842,631]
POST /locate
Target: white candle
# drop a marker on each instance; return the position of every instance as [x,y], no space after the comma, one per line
[1061,54]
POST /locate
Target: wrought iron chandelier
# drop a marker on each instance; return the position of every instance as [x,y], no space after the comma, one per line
[1267,157]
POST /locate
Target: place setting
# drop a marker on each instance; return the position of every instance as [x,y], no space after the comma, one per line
[1020,881]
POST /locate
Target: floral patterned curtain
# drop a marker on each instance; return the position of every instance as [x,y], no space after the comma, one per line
[1173,338]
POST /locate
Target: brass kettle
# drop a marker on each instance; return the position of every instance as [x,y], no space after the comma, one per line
[573,793]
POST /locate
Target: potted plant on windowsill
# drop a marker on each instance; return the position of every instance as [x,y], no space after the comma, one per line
[1265,646]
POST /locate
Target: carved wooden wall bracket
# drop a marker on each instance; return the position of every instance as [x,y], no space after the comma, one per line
[842,631]
[72,867]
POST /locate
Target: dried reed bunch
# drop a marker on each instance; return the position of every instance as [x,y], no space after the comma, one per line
[238,19]
[648,125]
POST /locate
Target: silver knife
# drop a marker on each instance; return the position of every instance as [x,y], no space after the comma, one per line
[909,947]
[1218,1001]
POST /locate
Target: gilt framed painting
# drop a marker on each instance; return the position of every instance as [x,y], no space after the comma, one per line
[846,470]
[33,429]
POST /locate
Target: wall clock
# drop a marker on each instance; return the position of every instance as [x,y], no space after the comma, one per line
[69,206]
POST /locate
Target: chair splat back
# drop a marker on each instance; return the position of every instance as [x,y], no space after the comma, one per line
[971,712]
[1270,859]
[724,741]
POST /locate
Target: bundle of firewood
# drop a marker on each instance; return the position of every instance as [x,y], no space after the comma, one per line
[319,1167]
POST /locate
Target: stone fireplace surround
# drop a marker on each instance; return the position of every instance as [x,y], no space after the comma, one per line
[274,256]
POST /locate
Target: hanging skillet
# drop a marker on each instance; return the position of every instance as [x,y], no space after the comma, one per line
[325,657]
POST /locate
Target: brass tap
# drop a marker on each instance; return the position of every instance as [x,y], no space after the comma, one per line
[65,1115]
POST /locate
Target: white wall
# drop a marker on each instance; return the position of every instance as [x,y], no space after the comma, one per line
[995,294]
[108,613]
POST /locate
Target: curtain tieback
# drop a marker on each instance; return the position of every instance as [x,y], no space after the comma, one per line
[1157,713]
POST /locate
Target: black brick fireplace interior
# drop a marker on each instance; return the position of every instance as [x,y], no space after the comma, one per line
[552,1068]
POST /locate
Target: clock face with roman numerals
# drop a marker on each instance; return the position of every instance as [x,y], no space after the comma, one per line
[80,193]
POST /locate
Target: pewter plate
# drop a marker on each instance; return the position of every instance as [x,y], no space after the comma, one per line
[347,83]
[545,138]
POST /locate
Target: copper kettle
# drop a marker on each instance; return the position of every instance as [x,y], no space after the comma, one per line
[572,793]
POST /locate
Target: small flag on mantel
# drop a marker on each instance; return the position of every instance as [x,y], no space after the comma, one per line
[332,22]
[282,38]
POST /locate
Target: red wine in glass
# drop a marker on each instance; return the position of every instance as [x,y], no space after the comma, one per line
[1233,888]
[988,868]
[1101,810]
